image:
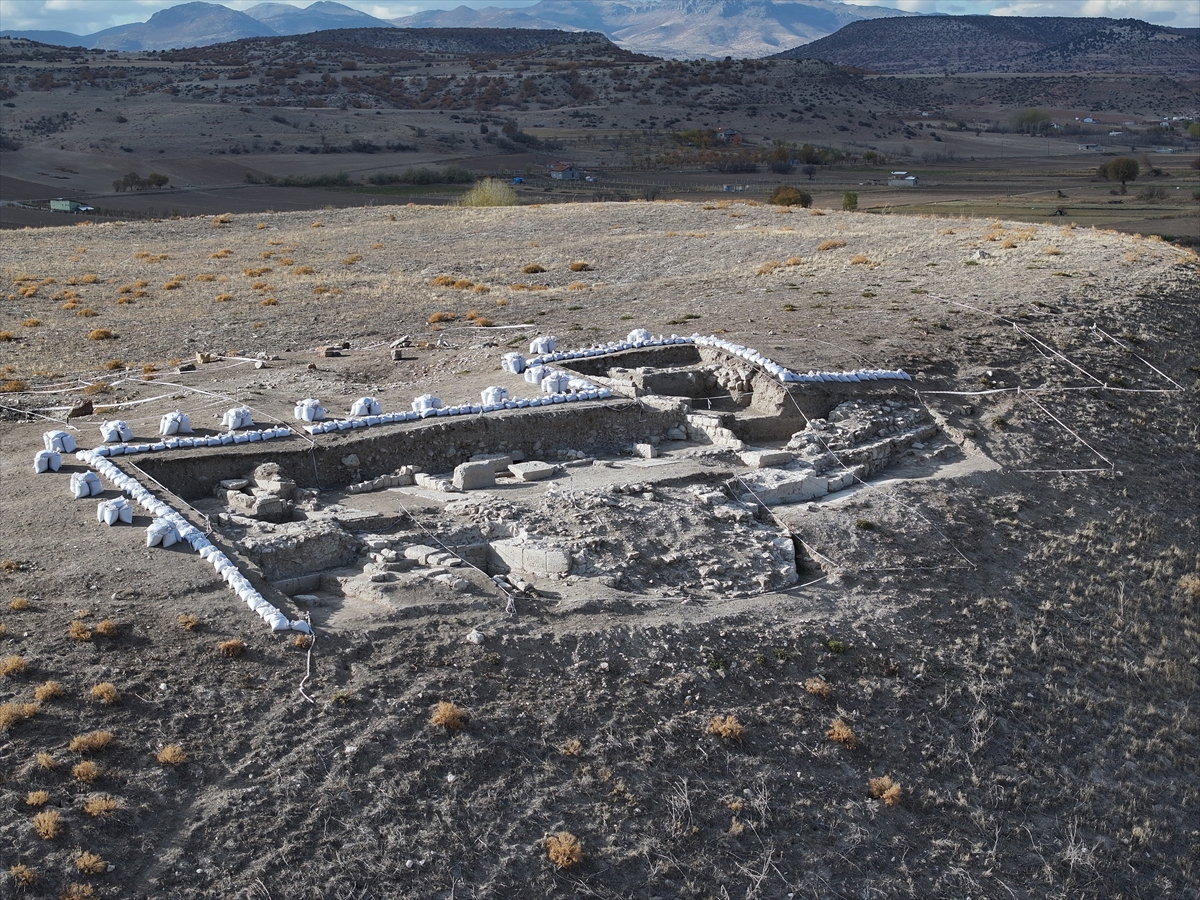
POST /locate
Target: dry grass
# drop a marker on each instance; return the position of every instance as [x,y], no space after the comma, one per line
[28,323]
[255,271]
[99,387]
[106,692]
[727,728]
[77,891]
[85,772]
[351,259]
[223,298]
[564,850]
[885,789]
[50,690]
[48,824]
[220,254]
[107,627]
[442,317]
[37,798]
[573,747]
[577,286]
[101,334]
[860,259]
[580,267]
[90,742]
[841,733]
[13,665]
[1190,585]
[22,875]
[533,269]
[1052,251]
[302,641]
[443,281]
[481,289]
[6,336]
[14,713]
[46,761]
[86,313]
[189,622]
[769,266]
[260,286]
[79,631]
[101,806]
[317,225]
[303,270]
[174,284]
[830,245]
[223,219]
[464,284]
[145,256]
[172,755]
[13,386]
[270,301]
[113,364]
[793,261]
[449,716]
[90,863]
[818,687]
[232,648]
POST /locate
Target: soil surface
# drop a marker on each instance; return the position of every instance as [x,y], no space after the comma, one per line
[1006,624]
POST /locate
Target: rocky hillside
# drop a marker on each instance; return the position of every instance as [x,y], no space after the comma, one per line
[939,44]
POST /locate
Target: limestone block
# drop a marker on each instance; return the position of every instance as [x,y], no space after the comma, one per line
[532,557]
[645,451]
[420,553]
[473,476]
[498,461]
[532,471]
[764,459]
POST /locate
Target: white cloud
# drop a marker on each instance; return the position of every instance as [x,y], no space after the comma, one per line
[1178,13]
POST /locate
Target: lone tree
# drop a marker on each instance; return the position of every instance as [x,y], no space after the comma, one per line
[1122,169]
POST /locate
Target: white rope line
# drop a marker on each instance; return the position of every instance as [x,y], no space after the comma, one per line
[312,642]
[30,412]
[1127,349]
[510,606]
[785,526]
[1112,465]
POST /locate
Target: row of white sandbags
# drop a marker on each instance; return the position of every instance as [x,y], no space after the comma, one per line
[186,443]
[637,338]
[855,375]
[185,530]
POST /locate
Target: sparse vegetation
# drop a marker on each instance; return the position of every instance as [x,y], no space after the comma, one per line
[90,863]
[90,742]
[727,728]
[101,334]
[189,621]
[232,648]
[48,824]
[818,687]
[172,755]
[448,716]
[13,665]
[85,772]
[50,690]
[101,806]
[106,693]
[564,850]
[490,192]
[831,244]
[841,733]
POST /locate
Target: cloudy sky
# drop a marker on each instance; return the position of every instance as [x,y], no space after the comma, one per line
[86,16]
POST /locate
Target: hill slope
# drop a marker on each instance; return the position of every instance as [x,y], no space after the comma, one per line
[936,44]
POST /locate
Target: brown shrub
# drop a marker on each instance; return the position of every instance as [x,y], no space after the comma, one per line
[101,334]
[886,790]
[77,891]
[172,755]
[727,728]
[449,716]
[29,323]
[303,270]
[189,622]
[223,219]
[232,648]
[463,284]
[580,267]
[533,269]
[573,747]
[481,289]
[51,690]
[577,286]
[90,863]
[442,317]
[85,772]
[223,298]
[22,875]
[1190,585]
[818,687]
[769,266]
[37,798]
[256,271]
[101,806]
[270,301]
[90,742]
[564,850]
[79,631]
[13,386]
[860,259]
[107,627]
[841,733]
[19,603]
[46,761]
[830,245]
[86,313]
[1052,251]
[106,692]
[793,261]
[351,259]
[13,665]
[48,824]
[220,254]
[205,277]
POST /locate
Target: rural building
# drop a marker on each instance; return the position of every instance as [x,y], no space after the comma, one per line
[728,136]
[61,205]
[1095,147]
[902,179]
[565,172]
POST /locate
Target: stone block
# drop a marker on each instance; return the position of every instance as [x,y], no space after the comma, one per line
[645,451]
[498,461]
[765,459]
[474,476]
[420,553]
[532,471]
[532,557]
[773,486]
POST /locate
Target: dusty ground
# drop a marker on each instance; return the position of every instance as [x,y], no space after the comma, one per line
[1018,638]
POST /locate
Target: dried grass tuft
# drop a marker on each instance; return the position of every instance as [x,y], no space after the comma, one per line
[37,798]
[171,755]
[232,648]
[90,742]
[101,806]
[886,790]
[818,687]
[189,622]
[442,317]
[841,733]
[90,863]
[830,245]
[580,267]
[13,665]
[51,690]
[22,875]
[769,266]
[85,772]
[449,716]
[77,891]
[106,692]
[79,631]
[48,824]
[533,269]
[727,728]
[107,627]
[101,334]
[564,850]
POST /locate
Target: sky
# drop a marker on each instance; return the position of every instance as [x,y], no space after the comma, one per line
[87,16]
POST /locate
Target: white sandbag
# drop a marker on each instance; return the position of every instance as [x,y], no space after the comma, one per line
[426,403]
[366,406]
[115,431]
[58,441]
[493,395]
[175,423]
[47,461]
[161,533]
[86,484]
[544,344]
[555,383]
[300,625]
[513,362]
[535,374]
[238,417]
[278,621]
[638,336]
[309,410]
[110,512]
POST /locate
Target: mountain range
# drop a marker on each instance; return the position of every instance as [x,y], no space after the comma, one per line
[667,28]
[939,44]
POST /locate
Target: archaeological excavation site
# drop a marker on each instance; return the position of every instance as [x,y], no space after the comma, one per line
[628,550]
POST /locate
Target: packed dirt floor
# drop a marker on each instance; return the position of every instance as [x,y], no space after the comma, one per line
[971,674]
